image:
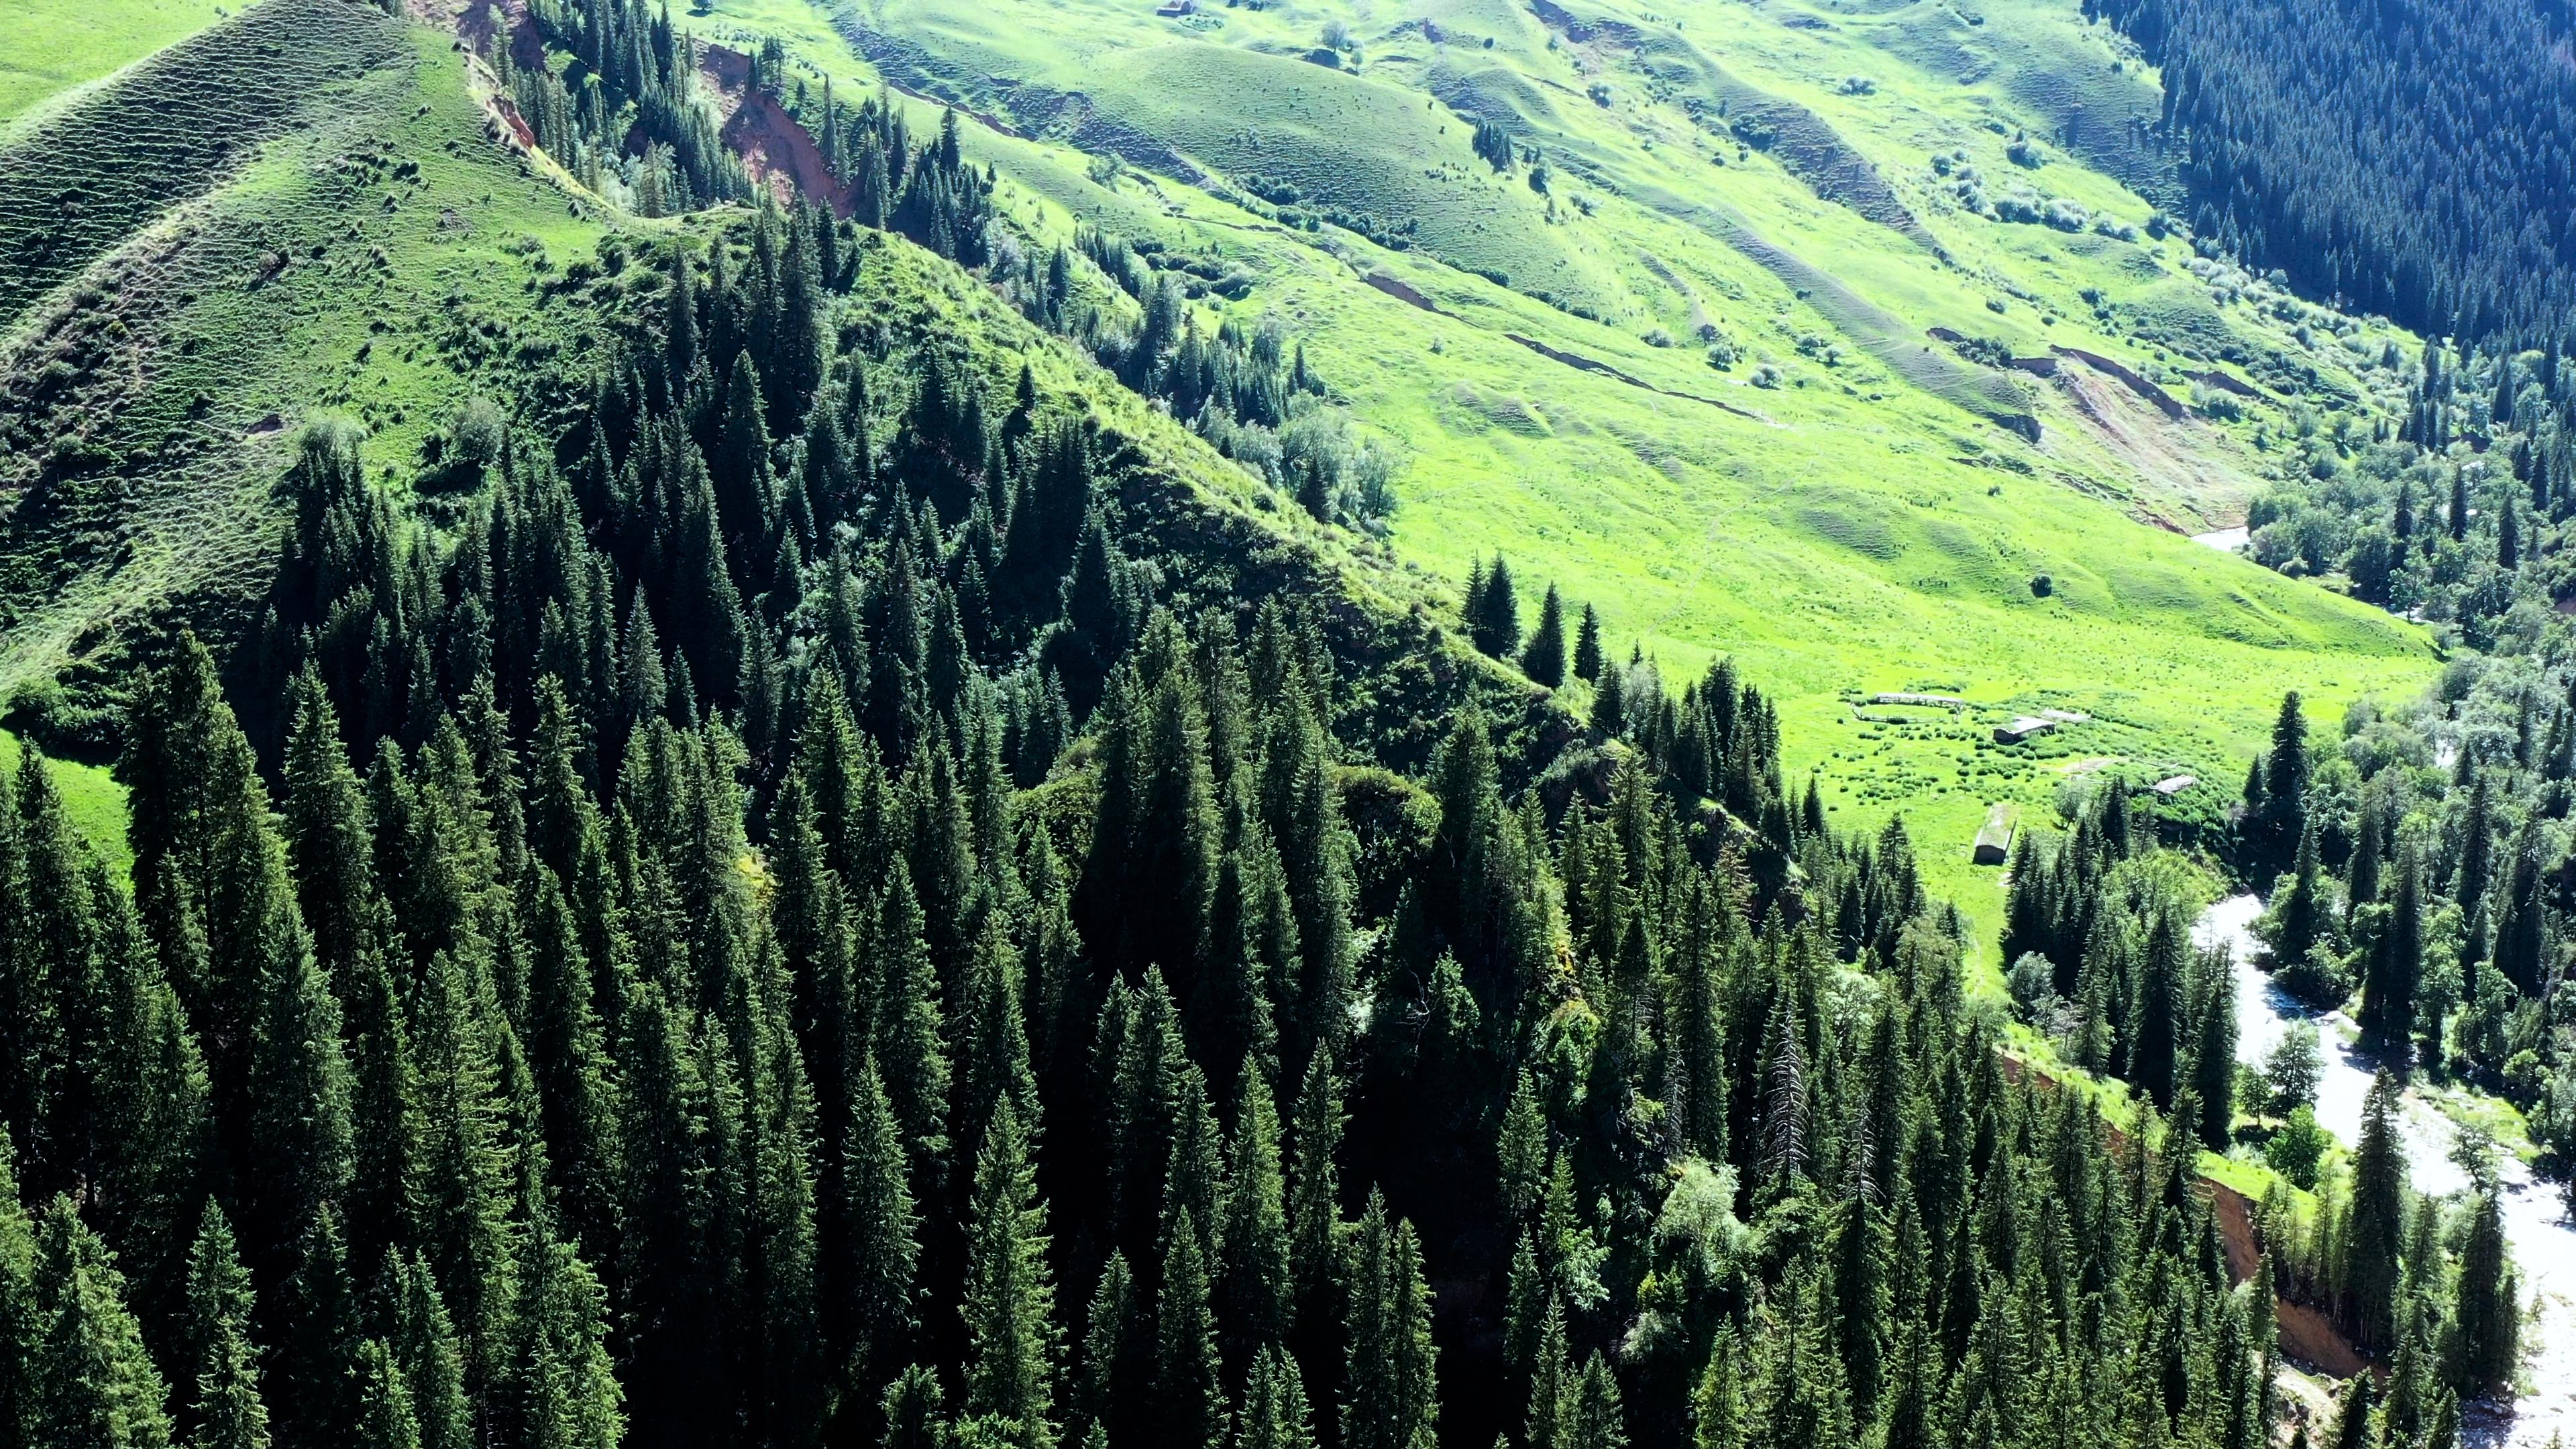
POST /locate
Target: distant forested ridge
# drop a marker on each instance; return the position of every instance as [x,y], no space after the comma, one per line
[2413,157]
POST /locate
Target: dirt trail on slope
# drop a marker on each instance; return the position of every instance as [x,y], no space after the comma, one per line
[1581,363]
[2306,1337]
[1411,295]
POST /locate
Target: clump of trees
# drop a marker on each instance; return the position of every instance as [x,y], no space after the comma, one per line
[1717,740]
[1246,390]
[2455,516]
[929,193]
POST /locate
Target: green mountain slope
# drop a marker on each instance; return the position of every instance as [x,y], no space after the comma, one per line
[1855,501]
[380,253]
[824,729]
[1872,521]
[358,247]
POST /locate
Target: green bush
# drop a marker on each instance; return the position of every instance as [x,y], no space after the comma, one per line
[2298,1149]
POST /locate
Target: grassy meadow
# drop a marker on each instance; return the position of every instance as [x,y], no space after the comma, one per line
[92,801]
[1837,508]
[56,45]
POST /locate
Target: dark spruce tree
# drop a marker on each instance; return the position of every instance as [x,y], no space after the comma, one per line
[1543,658]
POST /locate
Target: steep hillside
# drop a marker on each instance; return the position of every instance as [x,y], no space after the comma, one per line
[1736,345]
[95,172]
[696,753]
[1898,250]
[384,252]
[296,210]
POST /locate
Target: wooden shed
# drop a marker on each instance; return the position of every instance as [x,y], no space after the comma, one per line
[2029,726]
[1995,840]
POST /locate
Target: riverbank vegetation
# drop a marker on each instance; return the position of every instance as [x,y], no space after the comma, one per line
[2423,860]
[2100,930]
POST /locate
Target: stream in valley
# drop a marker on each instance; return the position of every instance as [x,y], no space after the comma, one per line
[2535,1218]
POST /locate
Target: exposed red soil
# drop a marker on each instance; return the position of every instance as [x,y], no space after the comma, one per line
[779,152]
[481,25]
[2307,1339]
[480,22]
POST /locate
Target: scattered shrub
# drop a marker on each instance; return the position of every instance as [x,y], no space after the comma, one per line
[2320,978]
[478,434]
[1985,351]
[2212,402]
[2298,1149]
[2019,204]
[42,712]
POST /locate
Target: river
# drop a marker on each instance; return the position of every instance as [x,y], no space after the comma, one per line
[2535,1220]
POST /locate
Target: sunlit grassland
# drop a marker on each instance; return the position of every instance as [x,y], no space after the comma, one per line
[92,801]
[50,46]
[1846,531]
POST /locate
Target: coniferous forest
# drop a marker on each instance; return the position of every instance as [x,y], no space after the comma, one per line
[706,953]
[821,875]
[2406,158]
